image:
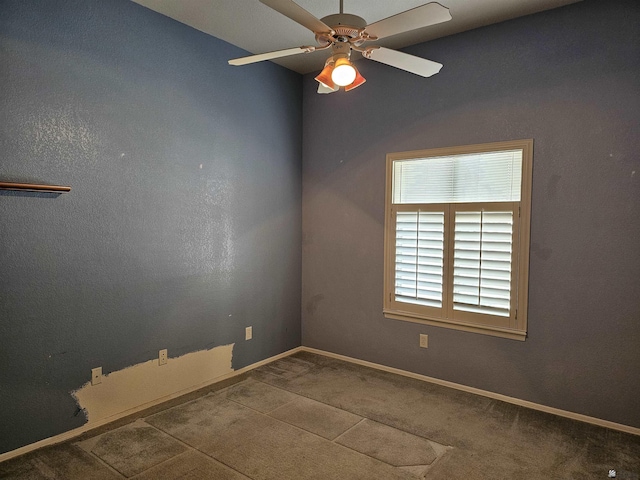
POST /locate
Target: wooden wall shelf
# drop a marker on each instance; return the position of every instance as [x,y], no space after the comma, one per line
[32,187]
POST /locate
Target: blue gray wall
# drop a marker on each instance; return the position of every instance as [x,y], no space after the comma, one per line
[568,78]
[183,223]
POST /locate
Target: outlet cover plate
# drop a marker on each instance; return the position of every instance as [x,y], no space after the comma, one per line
[96,376]
[248,333]
[162,357]
[424,341]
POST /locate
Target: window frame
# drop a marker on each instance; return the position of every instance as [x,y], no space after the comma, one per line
[515,326]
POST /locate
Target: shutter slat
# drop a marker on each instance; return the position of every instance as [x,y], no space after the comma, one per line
[466,281]
[467,262]
[416,301]
[500,312]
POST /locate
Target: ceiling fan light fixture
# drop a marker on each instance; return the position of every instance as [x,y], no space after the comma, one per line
[344,73]
[322,88]
[344,33]
[324,77]
[357,82]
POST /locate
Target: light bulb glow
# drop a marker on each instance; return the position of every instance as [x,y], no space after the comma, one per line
[343,74]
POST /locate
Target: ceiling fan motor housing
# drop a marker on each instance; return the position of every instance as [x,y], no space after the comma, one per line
[340,49]
[344,25]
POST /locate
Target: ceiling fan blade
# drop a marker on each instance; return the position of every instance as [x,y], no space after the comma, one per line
[298,14]
[270,55]
[324,89]
[403,61]
[418,17]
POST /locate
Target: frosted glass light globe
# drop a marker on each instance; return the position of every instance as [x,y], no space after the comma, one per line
[343,74]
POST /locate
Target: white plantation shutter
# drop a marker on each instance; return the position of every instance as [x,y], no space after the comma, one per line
[482,262]
[419,258]
[457,223]
[465,178]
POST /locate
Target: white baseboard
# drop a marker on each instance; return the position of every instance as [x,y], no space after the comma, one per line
[496,396]
[90,426]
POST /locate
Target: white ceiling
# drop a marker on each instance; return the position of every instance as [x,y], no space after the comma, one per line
[256,28]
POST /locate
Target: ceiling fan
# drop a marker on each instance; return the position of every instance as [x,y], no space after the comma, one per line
[344,33]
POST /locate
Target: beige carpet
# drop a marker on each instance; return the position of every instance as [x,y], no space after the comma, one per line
[312,417]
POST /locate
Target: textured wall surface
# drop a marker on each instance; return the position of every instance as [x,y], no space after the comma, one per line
[568,78]
[183,223]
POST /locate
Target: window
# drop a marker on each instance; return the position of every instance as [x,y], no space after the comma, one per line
[457,237]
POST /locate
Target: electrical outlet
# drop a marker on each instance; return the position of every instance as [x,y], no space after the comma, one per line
[424,340]
[96,376]
[162,357]
[248,333]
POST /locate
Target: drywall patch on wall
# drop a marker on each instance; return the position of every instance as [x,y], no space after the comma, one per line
[139,384]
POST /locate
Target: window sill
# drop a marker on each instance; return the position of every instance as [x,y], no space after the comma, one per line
[509,333]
